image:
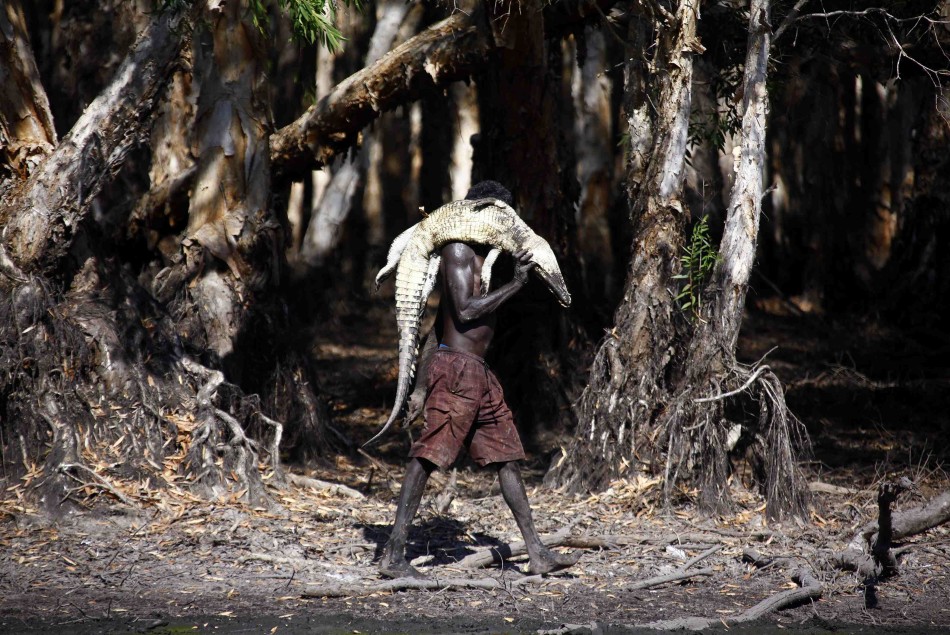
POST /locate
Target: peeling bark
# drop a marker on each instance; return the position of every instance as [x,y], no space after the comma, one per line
[27,134]
[41,217]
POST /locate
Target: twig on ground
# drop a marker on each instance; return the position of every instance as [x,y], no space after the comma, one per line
[810,588]
[701,557]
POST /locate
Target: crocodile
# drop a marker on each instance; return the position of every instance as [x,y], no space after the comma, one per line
[414,256]
[399,244]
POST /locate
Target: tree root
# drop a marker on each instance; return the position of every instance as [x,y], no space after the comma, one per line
[405,584]
[98,481]
[211,457]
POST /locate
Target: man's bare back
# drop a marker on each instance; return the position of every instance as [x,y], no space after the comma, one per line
[468,318]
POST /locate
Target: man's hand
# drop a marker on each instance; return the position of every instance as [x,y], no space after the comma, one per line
[523,266]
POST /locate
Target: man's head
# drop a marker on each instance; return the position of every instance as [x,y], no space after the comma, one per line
[490,189]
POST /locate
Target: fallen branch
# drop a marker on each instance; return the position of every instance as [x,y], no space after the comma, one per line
[809,589]
[759,561]
[918,520]
[676,576]
[858,555]
[100,482]
[406,584]
[701,557]
[323,486]
[614,541]
[497,555]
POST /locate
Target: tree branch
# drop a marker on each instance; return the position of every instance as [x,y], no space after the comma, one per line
[448,51]
[44,213]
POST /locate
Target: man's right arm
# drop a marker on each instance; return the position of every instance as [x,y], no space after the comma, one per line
[457,259]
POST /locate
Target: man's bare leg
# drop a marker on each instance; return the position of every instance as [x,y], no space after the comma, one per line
[393,563]
[542,559]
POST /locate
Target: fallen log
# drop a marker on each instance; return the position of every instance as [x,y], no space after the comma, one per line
[405,584]
[860,556]
[335,489]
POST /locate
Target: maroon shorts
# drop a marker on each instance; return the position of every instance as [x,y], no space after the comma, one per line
[465,406]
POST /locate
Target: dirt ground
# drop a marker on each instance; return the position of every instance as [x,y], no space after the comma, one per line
[875,403]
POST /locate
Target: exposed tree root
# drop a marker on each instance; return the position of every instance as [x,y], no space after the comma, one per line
[97,481]
[214,455]
[702,438]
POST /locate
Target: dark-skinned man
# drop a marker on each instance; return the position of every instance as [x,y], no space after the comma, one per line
[464,403]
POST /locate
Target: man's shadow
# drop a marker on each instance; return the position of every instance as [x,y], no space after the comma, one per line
[439,537]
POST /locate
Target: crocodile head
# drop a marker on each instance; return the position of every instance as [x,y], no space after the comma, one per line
[555,282]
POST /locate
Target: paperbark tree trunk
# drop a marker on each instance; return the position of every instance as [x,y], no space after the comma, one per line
[43,214]
[27,134]
[627,380]
[594,126]
[521,145]
[655,396]
[62,349]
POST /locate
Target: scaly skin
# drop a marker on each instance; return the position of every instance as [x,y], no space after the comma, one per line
[486,222]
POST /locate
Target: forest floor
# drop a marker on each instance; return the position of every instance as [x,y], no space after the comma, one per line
[875,402]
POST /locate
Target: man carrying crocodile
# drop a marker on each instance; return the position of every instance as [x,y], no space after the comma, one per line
[464,403]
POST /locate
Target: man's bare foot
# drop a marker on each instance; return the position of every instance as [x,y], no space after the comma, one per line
[549,562]
[398,568]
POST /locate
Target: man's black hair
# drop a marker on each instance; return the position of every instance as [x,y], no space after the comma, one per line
[490,189]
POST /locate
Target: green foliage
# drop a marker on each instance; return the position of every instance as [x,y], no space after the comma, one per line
[698,260]
[312,20]
[725,120]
